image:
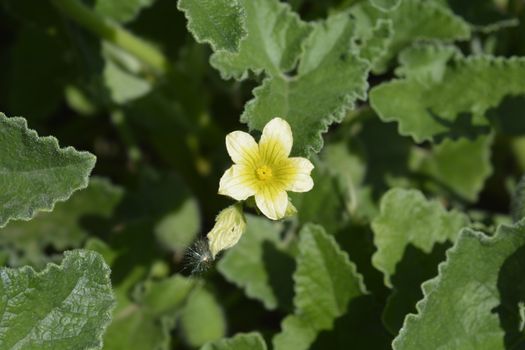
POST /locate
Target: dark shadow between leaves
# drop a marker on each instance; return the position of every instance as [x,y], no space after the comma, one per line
[462,126]
[511,287]
[415,268]
[508,117]
[359,328]
[280,268]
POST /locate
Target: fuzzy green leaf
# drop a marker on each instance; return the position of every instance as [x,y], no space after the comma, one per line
[305,100]
[428,21]
[462,166]
[325,281]
[246,341]
[426,110]
[34,172]
[67,226]
[406,217]
[258,265]
[272,44]
[62,307]
[221,23]
[474,301]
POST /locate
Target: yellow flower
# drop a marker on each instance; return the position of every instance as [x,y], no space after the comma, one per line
[265,170]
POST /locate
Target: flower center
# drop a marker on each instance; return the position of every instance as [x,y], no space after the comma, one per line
[264,173]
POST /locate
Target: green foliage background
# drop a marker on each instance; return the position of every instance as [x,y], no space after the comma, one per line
[112,147]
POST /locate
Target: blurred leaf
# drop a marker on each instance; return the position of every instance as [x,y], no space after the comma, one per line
[428,21]
[178,229]
[259,265]
[221,23]
[121,10]
[324,204]
[36,307]
[325,281]
[202,306]
[87,212]
[385,4]
[146,321]
[406,217]
[425,62]
[123,85]
[305,101]
[474,301]
[462,166]
[272,44]
[518,201]
[507,117]
[36,173]
[246,341]
[428,109]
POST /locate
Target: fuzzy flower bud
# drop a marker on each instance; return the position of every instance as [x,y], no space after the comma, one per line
[230,224]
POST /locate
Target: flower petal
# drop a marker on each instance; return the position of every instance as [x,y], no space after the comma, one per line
[272,202]
[276,140]
[238,182]
[295,174]
[242,148]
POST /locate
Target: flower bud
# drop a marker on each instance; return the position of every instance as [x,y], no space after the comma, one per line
[230,224]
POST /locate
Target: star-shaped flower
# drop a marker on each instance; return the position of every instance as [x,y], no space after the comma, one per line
[265,170]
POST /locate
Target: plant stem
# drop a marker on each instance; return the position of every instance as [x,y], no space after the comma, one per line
[113,32]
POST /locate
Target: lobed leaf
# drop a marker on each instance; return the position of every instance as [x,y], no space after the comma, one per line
[272,44]
[34,172]
[426,110]
[474,301]
[406,217]
[427,21]
[325,281]
[221,23]
[62,307]
[305,100]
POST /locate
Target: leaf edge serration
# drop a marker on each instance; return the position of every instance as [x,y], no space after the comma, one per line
[89,158]
[106,317]
[430,285]
[198,38]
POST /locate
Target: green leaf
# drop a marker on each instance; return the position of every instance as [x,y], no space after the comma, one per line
[35,173]
[385,4]
[325,281]
[462,166]
[87,212]
[221,23]
[146,321]
[62,307]
[258,265]
[202,305]
[324,205]
[246,341]
[425,110]
[273,42]
[406,217]
[121,10]
[474,301]
[517,207]
[305,100]
[428,21]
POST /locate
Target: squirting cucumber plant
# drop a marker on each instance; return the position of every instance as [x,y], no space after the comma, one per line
[262,174]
